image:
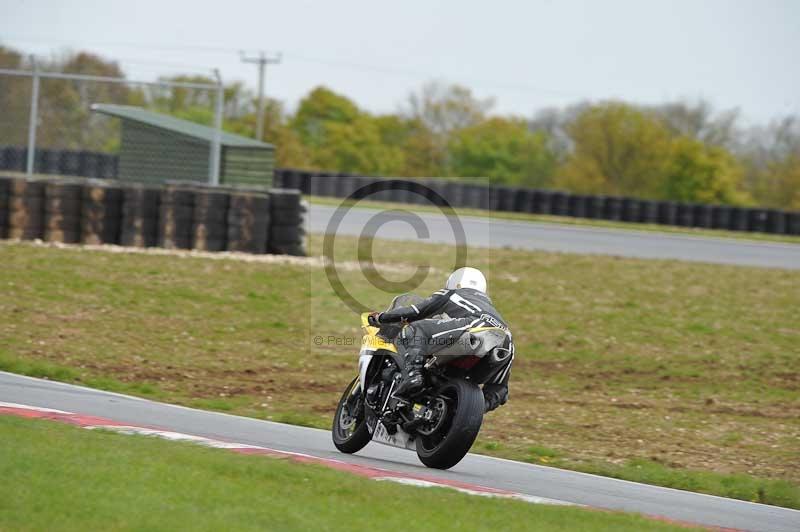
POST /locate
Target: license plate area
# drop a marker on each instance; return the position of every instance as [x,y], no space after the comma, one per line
[399,439]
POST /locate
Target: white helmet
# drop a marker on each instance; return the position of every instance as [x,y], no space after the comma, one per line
[467,278]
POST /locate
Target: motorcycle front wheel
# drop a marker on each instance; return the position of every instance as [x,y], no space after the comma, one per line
[452,436]
[350,432]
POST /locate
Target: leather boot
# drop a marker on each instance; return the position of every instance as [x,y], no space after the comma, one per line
[413,375]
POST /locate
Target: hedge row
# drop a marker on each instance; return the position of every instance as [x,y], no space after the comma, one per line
[174,215]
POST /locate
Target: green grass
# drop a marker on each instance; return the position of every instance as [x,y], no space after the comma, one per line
[566,220]
[738,486]
[66,478]
[50,371]
[690,366]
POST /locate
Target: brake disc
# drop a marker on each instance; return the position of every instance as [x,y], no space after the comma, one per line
[439,414]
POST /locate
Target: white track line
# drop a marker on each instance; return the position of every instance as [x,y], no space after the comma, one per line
[28,407]
[364,471]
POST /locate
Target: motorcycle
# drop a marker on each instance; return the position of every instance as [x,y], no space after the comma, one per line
[442,421]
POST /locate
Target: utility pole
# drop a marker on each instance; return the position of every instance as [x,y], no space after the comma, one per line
[262,61]
[216,143]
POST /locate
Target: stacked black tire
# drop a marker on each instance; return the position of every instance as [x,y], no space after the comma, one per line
[25,209]
[61,162]
[176,217]
[62,211]
[210,228]
[140,208]
[5,190]
[248,221]
[101,213]
[287,232]
[336,184]
[552,202]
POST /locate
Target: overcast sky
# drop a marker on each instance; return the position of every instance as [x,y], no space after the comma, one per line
[525,54]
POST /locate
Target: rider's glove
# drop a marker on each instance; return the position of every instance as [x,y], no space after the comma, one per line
[374,319]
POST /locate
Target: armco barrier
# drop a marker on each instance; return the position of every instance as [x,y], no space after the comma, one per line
[457,193]
[174,215]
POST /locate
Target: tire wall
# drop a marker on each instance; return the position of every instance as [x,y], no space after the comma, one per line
[25,204]
[19,207]
[287,228]
[101,213]
[173,215]
[550,202]
[5,184]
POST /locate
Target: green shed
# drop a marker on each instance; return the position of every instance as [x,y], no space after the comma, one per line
[155,147]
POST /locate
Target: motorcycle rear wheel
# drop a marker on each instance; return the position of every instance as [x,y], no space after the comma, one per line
[350,433]
[450,443]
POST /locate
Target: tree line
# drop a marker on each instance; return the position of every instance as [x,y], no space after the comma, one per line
[683,150]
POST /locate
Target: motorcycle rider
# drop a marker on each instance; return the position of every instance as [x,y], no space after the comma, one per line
[466,304]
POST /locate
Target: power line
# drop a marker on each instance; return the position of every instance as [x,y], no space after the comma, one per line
[500,85]
[141,46]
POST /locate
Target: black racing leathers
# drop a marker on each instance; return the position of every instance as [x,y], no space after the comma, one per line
[462,308]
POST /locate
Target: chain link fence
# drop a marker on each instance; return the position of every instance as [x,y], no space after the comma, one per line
[54,123]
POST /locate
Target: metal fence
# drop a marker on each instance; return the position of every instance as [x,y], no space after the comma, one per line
[54,115]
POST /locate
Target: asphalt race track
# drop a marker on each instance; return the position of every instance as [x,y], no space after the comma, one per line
[519,477]
[499,233]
